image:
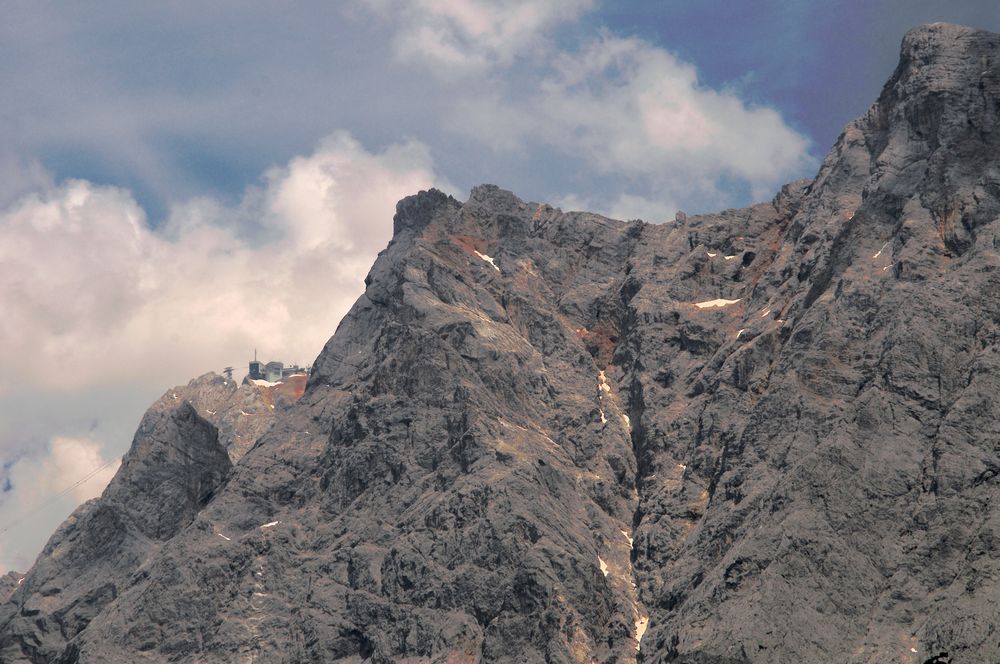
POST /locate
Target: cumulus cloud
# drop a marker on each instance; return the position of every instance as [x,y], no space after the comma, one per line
[19,176]
[43,490]
[97,302]
[467,36]
[93,295]
[626,108]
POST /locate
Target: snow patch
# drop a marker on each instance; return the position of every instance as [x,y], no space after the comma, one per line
[641,623]
[270,525]
[603,382]
[729,258]
[488,259]
[881,250]
[709,304]
[210,412]
[224,537]
[20,581]
[264,383]
[628,537]
[766,312]
[604,565]
[711,255]
[740,332]
[243,412]
[604,419]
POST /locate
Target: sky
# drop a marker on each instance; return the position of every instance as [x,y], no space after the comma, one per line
[183,182]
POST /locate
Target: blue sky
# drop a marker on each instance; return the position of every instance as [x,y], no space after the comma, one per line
[152,156]
[182,101]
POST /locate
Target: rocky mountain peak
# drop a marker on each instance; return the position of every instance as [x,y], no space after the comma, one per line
[413,213]
[763,435]
[176,460]
[943,95]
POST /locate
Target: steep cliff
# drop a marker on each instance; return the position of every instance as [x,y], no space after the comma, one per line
[766,435]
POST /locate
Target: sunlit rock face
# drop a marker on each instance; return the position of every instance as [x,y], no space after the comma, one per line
[765,435]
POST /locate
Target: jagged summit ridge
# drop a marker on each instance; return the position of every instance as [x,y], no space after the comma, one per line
[764,435]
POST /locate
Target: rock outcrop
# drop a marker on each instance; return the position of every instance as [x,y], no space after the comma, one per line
[172,470]
[8,584]
[765,435]
[241,413]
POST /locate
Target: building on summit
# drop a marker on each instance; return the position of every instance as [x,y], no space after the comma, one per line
[273,371]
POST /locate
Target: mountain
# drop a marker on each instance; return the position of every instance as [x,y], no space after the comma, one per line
[764,435]
[8,584]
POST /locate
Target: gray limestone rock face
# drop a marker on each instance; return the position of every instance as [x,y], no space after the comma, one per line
[241,412]
[8,584]
[170,473]
[768,435]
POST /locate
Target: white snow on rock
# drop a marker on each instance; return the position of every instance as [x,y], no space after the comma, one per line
[224,537]
[20,581]
[264,383]
[766,312]
[603,382]
[729,258]
[243,412]
[641,623]
[709,304]
[881,250]
[604,565]
[740,332]
[270,525]
[488,259]
[210,412]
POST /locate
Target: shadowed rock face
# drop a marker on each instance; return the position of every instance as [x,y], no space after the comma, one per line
[172,470]
[766,435]
[8,584]
[241,413]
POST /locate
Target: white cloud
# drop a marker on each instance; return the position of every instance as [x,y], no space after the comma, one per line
[93,295]
[44,490]
[466,36]
[625,108]
[97,302]
[18,177]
